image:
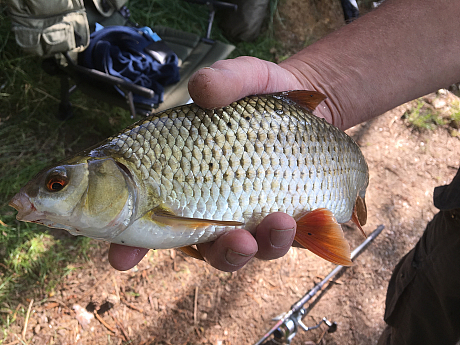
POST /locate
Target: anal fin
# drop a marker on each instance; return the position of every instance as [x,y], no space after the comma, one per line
[319,232]
[359,215]
[191,251]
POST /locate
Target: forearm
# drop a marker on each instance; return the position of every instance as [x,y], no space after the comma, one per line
[400,51]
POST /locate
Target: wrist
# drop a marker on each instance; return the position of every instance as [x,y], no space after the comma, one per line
[341,108]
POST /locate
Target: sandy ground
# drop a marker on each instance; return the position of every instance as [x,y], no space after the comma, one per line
[172,299]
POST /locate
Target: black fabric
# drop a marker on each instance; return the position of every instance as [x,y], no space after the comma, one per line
[423,297]
[448,197]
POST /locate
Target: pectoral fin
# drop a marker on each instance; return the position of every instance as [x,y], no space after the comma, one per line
[190,251]
[359,216]
[319,232]
[167,217]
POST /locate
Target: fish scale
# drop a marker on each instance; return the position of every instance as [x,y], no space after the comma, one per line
[187,174]
[261,155]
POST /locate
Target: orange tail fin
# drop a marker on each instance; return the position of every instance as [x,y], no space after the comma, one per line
[319,232]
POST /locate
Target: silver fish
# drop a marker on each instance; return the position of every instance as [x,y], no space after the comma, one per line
[186,175]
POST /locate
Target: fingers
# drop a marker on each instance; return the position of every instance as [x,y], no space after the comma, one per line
[230,251]
[275,235]
[229,80]
[123,258]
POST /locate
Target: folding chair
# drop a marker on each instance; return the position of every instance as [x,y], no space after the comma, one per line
[60,57]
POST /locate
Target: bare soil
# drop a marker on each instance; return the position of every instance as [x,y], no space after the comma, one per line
[172,299]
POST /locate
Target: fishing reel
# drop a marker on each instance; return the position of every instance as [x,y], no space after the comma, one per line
[289,328]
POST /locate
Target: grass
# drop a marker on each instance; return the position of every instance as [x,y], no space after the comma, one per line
[423,117]
[31,138]
[455,113]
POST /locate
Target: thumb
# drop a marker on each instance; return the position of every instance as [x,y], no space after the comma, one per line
[229,80]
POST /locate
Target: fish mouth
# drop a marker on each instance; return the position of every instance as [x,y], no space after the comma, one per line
[28,213]
[26,210]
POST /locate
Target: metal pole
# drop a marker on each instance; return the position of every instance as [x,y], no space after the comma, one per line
[296,307]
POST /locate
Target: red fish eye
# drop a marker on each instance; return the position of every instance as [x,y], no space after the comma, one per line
[55,183]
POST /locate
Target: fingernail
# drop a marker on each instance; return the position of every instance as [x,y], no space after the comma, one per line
[281,238]
[236,258]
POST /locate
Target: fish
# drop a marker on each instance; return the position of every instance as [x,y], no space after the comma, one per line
[187,175]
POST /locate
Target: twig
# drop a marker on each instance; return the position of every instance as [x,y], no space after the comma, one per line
[116,287]
[120,325]
[14,342]
[321,337]
[16,311]
[140,310]
[46,94]
[51,305]
[57,100]
[152,304]
[27,319]
[53,300]
[101,320]
[195,306]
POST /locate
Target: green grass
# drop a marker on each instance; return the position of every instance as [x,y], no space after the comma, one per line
[31,138]
[194,18]
[31,260]
[455,113]
[423,117]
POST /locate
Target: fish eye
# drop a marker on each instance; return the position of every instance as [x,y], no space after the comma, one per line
[56,181]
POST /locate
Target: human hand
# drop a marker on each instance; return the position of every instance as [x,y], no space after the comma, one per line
[229,80]
[231,251]
[219,85]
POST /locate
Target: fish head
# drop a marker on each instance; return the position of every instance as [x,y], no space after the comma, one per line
[90,197]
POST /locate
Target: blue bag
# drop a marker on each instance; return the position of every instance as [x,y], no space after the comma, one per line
[135,55]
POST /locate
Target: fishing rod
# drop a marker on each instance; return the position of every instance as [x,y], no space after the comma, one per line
[289,323]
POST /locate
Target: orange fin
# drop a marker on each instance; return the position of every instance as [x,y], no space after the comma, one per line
[359,216]
[305,99]
[166,217]
[191,251]
[319,232]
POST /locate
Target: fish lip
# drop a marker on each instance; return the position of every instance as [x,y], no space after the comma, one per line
[14,203]
[26,210]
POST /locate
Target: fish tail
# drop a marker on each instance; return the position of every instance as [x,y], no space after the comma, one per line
[319,232]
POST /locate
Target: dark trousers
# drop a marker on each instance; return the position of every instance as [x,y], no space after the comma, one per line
[423,297]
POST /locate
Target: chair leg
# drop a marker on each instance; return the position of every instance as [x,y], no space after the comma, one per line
[65,107]
[130,100]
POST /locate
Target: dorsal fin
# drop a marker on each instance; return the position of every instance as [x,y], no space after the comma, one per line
[304,98]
